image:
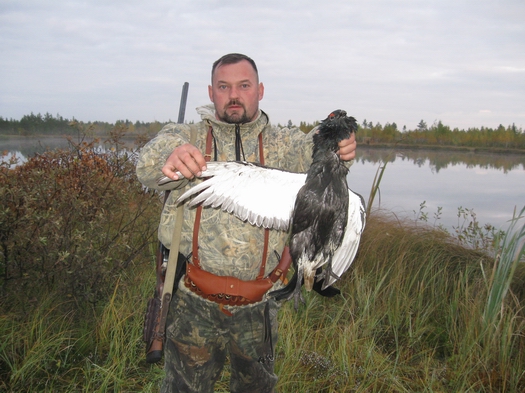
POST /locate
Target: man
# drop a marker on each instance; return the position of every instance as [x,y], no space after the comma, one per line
[200,331]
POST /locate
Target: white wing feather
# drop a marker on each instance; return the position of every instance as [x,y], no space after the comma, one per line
[260,195]
[345,254]
[266,197]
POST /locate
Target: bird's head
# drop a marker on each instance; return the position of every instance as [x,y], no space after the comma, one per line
[332,130]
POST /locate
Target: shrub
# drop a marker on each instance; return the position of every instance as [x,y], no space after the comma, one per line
[70,220]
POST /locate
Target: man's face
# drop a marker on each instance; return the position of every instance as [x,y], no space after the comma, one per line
[236,92]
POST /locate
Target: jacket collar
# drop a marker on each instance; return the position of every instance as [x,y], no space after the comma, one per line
[248,130]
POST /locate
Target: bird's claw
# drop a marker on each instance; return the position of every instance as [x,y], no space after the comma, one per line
[298,297]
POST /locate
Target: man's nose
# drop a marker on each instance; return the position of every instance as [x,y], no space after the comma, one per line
[234,92]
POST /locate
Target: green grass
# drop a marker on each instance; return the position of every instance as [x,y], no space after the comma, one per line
[411,318]
[98,352]
[420,310]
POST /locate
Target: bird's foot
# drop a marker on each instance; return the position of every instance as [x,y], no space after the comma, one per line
[297,297]
[329,291]
[320,286]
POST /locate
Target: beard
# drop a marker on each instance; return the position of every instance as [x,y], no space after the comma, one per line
[236,117]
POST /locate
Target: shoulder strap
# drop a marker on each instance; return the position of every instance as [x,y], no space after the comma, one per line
[266,231]
[175,239]
[198,213]
[171,269]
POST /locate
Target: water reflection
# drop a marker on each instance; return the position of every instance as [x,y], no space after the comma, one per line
[29,146]
[435,159]
[438,159]
[491,185]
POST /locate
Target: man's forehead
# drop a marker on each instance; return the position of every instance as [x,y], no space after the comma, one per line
[237,72]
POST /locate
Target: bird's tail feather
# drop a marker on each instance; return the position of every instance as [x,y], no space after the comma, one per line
[286,292]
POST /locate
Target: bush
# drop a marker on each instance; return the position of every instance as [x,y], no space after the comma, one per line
[70,220]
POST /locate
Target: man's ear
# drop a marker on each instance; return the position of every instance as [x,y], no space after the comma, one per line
[210,92]
[261,91]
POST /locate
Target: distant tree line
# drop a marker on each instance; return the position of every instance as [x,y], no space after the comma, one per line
[438,134]
[57,125]
[35,124]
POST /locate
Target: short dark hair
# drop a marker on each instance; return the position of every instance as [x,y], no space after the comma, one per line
[233,58]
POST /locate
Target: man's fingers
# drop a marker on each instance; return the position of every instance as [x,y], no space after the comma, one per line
[186,159]
[347,148]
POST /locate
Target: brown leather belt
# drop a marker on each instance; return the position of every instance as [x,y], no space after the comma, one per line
[231,291]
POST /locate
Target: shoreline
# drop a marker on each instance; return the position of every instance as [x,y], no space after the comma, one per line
[462,149]
[361,144]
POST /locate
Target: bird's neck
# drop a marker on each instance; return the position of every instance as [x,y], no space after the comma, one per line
[329,160]
[321,155]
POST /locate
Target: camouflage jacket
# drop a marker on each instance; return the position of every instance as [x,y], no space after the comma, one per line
[227,245]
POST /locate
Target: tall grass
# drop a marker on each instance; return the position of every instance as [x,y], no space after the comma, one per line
[419,312]
[98,352]
[410,319]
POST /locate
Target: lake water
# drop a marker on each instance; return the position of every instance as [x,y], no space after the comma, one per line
[490,185]
[25,147]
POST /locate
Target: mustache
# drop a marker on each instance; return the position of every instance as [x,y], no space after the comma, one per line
[234,102]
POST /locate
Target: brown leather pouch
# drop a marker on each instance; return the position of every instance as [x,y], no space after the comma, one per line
[227,290]
[210,284]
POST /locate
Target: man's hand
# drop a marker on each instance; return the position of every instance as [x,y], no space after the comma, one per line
[186,159]
[347,148]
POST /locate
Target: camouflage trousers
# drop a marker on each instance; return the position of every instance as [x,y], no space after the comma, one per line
[200,336]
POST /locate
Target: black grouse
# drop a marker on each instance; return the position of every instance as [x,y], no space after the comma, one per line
[326,217]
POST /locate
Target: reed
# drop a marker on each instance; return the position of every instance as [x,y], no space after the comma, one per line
[511,248]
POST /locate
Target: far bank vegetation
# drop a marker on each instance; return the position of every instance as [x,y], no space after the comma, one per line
[506,138]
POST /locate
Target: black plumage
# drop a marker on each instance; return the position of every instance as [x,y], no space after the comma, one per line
[321,209]
[325,216]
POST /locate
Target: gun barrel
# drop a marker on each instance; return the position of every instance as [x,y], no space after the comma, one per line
[183,99]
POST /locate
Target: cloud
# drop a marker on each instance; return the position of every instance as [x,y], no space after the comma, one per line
[384,61]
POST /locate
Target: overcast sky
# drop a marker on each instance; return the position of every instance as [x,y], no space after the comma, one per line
[461,62]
